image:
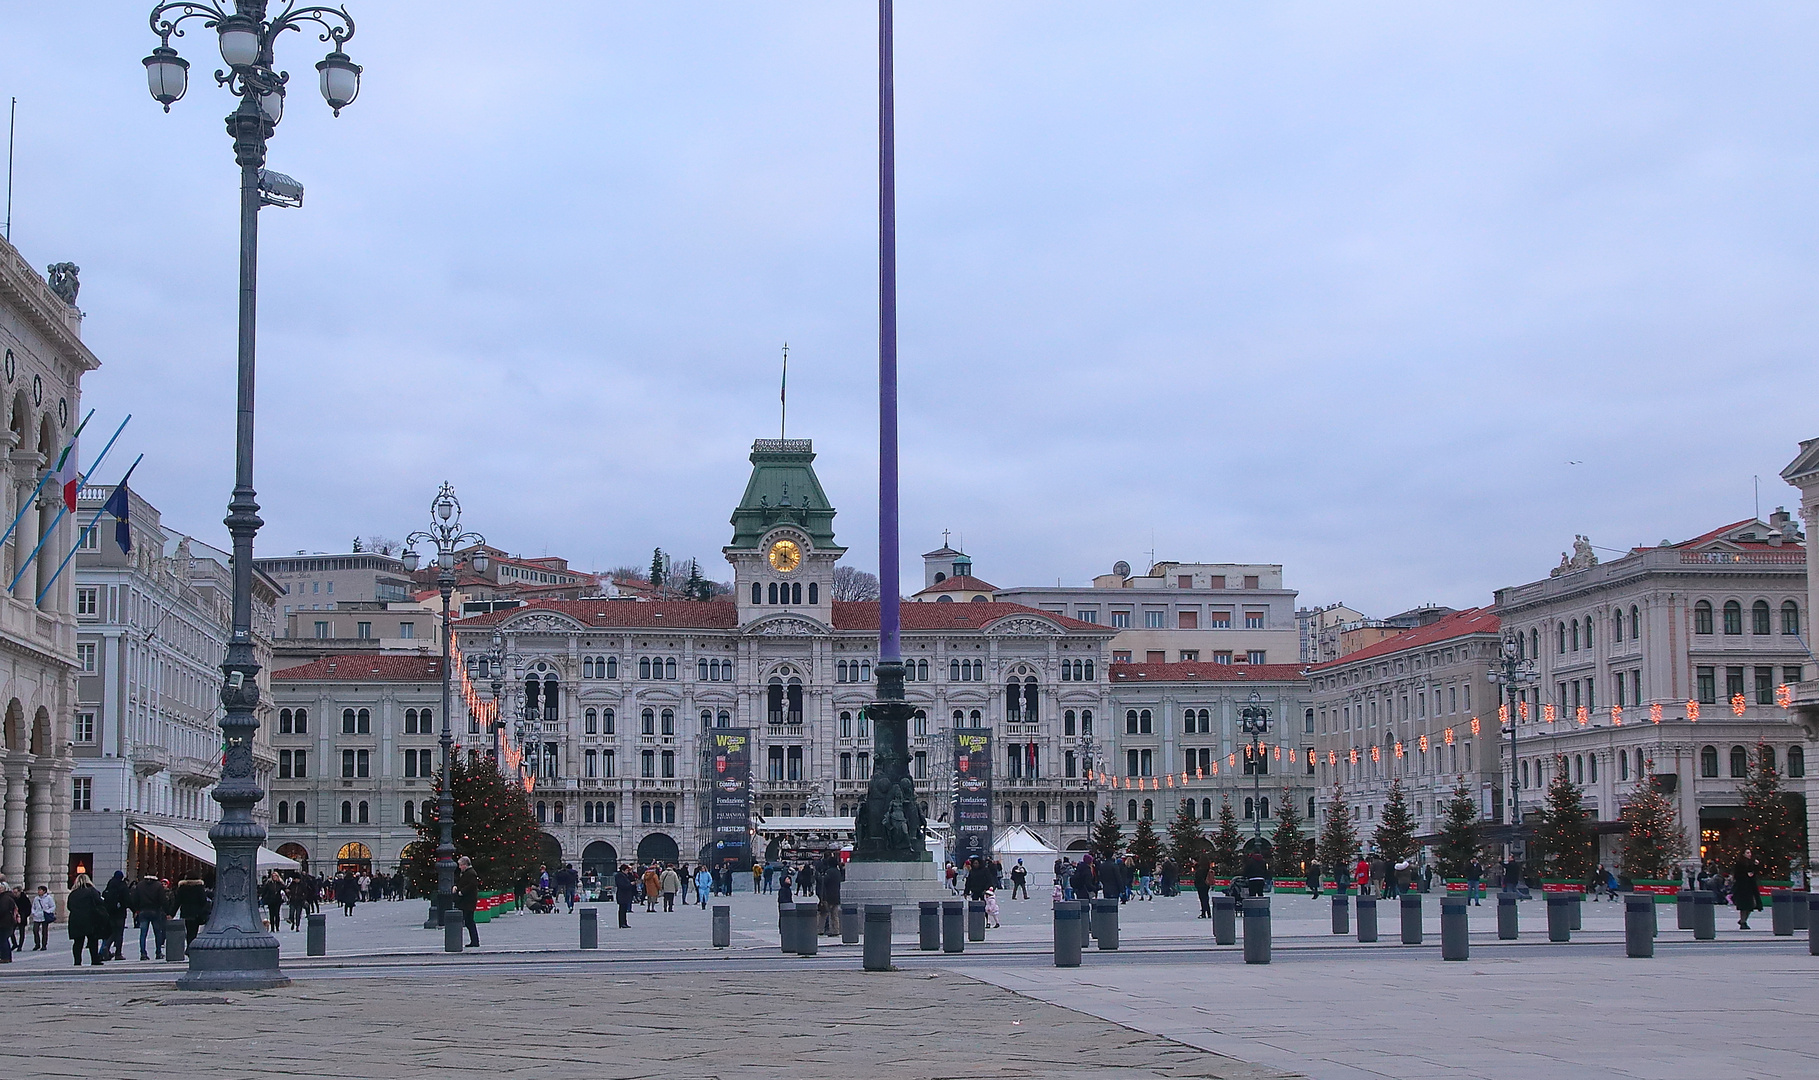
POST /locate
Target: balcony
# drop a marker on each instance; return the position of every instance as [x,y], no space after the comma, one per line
[195,771]
[151,760]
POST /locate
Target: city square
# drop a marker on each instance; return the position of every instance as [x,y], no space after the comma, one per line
[524,777]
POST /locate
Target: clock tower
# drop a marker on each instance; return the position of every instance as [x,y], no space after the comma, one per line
[783,550]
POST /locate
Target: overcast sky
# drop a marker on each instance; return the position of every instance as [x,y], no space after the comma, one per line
[1401,296]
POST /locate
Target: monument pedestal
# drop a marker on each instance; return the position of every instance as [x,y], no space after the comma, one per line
[902,885]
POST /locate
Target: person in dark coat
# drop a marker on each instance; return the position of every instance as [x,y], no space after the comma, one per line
[980,876]
[1256,872]
[148,899]
[467,898]
[1086,879]
[1746,887]
[625,892]
[302,896]
[271,897]
[9,921]
[347,892]
[1313,877]
[88,921]
[191,901]
[118,898]
[1203,885]
[827,893]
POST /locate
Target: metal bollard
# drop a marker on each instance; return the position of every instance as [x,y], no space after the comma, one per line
[1638,925]
[1105,914]
[928,925]
[1578,909]
[1225,920]
[877,949]
[849,924]
[1257,930]
[1705,916]
[1812,924]
[1367,919]
[176,941]
[1068,931]
[953,926]
[316,942]
[808,943]
[1506,916]
[1559,917]
[1455,928]
[452,931]
[1802,905]
[590,928]
[975,920]
[1781,912]
[1342,914]
[1683,909]
[786,926]
[1654,918]
[723,926]
[1411,918]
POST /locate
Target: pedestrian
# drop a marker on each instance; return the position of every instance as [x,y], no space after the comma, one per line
[671,884]
[1084,883]
[467,897]
[953,879]
[24,904]
[44,912]
[978,878]
[653,884]
[1256,872]
[1474,882]
[625,893]
[191,900]
[148,899]
[9,918]
[1171,877]
[1361,876]
[271,894]
[1203,885]
[115,896]
[1746,893]
[347,892]
[302,897]
[991,908]
[827,893]
[1313,878]
[567,881]
[1020,876]
[88,922]
[704,885]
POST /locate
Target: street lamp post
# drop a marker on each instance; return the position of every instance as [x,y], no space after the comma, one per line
[1255,718]
[445,535]
[1514,672]
[235,952]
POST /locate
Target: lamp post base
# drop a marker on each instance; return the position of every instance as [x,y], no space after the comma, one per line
[238,965]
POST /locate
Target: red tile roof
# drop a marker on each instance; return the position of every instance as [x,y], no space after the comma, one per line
[1459,624]
[1717,536]
[938,617]
[1201,671]
[961,583]
[362,668]
[724,615]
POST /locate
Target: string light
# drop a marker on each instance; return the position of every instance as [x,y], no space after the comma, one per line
[1231,761]
[1332,758]
[1376,753]
[1200,774]
[1474,725]
[1784,696]
[1617,715]
[1354,755]
[1422,742]
[1738,704]
[1583,715]
[1398,749]
[1654,712]
[1503,714]
[1278,751]
[1449,735]
[1522,710]
[1692,711]
[1548,713]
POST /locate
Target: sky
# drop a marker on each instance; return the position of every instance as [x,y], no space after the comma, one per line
[1402,296]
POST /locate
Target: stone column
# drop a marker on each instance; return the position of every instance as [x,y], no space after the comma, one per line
[18,770]
[38,868]
[24,467]
[56,839]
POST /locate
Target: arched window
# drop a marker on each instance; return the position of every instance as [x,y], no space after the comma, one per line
[1130,810]
[1250,808]
[1617,628]
[590,721]
[363,812]
[410,812]
[701,670]
[284,721]
[1130,721]
[723,719]
[1086,721]
[1702,617]
[347,812]
[347,721]
[757,594]
[1206,809]
[953,671]
[1089,671]
[1562,648]
[556,813]
[1733,617]
[774,700]
[612,667]
[814,593]
[284,813]
[1588,631]
[1708,762]
[1149,809]
[1740,763]
[1790,620]
[1145,722]
[794,694]
[1796,763]
[587,667]
[1068,723]
[1013,701]
[303,725]
[1635,623]
[1768,758]
[1534,642]
[772,592]
[707,718]
[1575,635]
[612,812]
[649,719]
[300,814]
[606,722]
[1030,693]
[1263,807]
[1760,619]
[840,672]
[922,671]
[1041,813]
[669,668]
[644,667]
[669,722]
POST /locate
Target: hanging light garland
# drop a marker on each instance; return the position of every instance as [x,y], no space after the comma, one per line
[1692,711]
[1738,704]
[1654,712]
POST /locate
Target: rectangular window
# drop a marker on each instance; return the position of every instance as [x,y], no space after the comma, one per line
[609,763]
[1131,763]
[363,630]
[1765,686]
[1121,656]
[297,768]
[1621,678]
[1121,620]
[1156,656]
[1733,682]
[1253,620]
[1087,615]
[1256,656]
[1790,674]
[647,764]
[1223,656]
[1184,581]
[1068,765]
[321,629]
[410,762]
[795,763]
[82,794]
[362,760]
[85,727]
[846,766]
[85,656]
[407,630]
[1708,685]
[919,766]
[1143,762]
[88,600]
[91,539]
[1187,620]
[347,764]
[1155,620]
[1190,656]
[284,764]
[669,764]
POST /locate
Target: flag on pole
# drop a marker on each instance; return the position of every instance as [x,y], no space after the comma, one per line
[69,477]
[116,505]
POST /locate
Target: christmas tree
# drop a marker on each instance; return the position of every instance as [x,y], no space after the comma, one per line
[1565,846]
[1146,846]
[1108,839]
[1338,839]
[1287,861]
[1655,842]
[1395,834]
[1771,828]
[493,826]
[1458,832]
[1227,842]
[1186,842]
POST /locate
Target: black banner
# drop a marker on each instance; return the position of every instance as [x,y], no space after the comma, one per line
[973,797]
[730,771]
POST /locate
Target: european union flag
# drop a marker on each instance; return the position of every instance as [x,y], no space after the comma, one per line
[116,505]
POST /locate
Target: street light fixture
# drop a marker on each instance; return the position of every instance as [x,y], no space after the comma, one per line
[235,952]
[1255,719]
[1514,672]
[445,535]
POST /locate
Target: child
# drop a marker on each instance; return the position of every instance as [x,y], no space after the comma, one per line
[991,908]
[1058,897]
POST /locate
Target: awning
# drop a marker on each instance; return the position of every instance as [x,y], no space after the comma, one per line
[196,844]
[1018,840]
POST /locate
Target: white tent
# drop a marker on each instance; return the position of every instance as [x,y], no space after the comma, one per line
[1019,842]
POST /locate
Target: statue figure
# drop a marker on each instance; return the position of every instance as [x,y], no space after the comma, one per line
[62,278]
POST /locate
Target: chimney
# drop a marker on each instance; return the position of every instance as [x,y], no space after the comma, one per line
[1780,519]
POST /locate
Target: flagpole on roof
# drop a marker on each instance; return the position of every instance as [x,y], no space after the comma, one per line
[86,529]
[64,509]
[45,479]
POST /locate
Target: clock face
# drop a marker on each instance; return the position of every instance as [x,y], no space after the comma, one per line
[785,556]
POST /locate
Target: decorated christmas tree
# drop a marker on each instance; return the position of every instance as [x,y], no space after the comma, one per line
[1290,847]
[1458,832]
[493,826]
[1108,839]
[1146,846]
[1771,827]
[1655,843]
[1186,841]
[1338,839]
[1395,833]
[1227,842]
[1565,848]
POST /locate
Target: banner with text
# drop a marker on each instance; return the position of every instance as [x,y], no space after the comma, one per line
[730,771]
[973,794]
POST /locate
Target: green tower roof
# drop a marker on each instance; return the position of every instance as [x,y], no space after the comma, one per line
[783,489]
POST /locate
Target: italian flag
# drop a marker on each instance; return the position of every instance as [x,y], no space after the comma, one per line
[68,477]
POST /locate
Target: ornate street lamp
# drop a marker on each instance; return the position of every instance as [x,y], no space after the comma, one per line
[1255,719]
[1514,672]
[445,535]
[235,952]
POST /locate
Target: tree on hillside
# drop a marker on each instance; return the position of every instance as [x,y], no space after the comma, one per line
[1771,827]
[1107,839]
[1227,844]
[1338,838]
[1290,848]
[851,583]
[659,564]
[1394,837]
[1654,842]
[1186,840]
[1458,832]
[1146,846]
[1566,848]
[493,826]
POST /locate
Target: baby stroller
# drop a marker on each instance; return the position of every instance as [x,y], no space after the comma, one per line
[540,902]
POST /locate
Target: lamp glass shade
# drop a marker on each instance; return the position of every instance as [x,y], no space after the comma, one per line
[271,104]
[166,75]
[446,560]
[410,560]
[239,42]
[339,78]
[445,508]
[482,563]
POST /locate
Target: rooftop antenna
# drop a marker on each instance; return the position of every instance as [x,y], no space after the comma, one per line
[1758,482]
[12,123]
[783,395]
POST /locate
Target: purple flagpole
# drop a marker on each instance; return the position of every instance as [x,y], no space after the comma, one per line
[890,645]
